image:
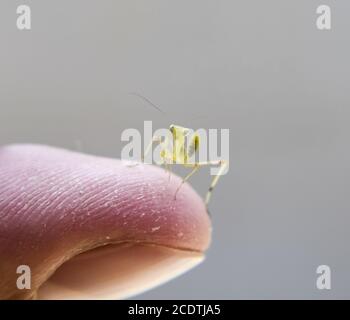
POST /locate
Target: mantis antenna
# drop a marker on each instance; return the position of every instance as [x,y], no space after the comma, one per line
[148,101]
[159,109]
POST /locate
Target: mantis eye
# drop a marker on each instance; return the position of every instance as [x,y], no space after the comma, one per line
[196,143]
[171,128]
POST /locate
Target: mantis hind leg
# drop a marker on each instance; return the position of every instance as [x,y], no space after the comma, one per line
[155,139]
[164,154]
[223,165]
[195,168]
[167,166]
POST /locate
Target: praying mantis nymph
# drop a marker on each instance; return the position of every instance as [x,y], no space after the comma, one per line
[179,154]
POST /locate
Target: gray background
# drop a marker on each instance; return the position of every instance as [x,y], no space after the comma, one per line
[260,68]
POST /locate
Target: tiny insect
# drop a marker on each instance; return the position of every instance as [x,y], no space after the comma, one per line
[179,154]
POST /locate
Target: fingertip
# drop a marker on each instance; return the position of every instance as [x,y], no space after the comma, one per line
[56,204]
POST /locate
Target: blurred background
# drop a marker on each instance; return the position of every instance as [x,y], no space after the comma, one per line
[260,68]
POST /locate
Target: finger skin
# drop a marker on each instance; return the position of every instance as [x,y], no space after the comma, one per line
[55,204]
